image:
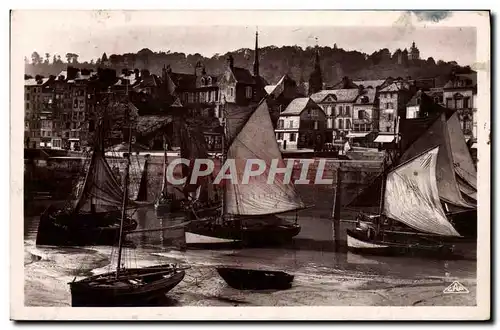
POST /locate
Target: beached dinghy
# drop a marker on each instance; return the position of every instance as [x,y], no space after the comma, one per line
[253,279]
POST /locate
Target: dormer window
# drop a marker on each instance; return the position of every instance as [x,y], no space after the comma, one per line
[202,81]
[209,81]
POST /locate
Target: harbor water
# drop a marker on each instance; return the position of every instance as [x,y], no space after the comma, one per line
[323,277]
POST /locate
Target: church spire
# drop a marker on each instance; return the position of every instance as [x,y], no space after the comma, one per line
[316,79]
[256,59]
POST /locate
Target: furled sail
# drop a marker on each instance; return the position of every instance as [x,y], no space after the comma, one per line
[142,194]
[193,146]
[411,196]
[100,187]
[256,140]
[437,135]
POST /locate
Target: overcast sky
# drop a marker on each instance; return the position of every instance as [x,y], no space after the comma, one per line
[89,34]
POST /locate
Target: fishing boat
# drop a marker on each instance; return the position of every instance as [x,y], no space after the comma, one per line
[411,219]
[254,279]
[253,213]
[94,217]
[455,173]
[125,287]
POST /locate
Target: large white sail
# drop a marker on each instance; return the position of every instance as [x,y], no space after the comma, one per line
[437,135]
[411,196]
[256,140]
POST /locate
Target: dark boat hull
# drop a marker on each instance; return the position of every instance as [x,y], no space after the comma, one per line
[465,223]
[357,242]
[152,288]
[250,279]
[258,235]
[81,229]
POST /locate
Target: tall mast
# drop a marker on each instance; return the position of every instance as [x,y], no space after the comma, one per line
[125,189]
[164,183]
[223,159]
[382,189]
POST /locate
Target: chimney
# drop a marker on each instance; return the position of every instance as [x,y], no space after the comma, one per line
[198,69]
[256,59]
[230,61]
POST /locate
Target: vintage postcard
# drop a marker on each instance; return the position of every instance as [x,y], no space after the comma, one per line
[250,165]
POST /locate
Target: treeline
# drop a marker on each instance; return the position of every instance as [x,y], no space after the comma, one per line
[295,61]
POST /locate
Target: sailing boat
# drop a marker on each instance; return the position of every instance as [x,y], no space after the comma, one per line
[249,212]
[125,287]
[455,171]
[411,219]
[94,218]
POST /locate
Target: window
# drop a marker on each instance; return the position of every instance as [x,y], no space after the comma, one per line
[248,92]
[231,90]
[27,106]
[348,124]
[281,124]
[75,103]
[293,137]
[466,104]
[388,129]
[315,124]
[449,103]
[329,123]
[387,105]
[347,110]
[341,124]
[279,136]
[390,117]
[340,110]
[290,124]
[329,110]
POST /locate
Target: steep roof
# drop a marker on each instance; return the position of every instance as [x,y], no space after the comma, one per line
[243,76]
[341,95]
[369,83]
[298,105]
[396,86]
[183,80]
[34,82]
[367,97]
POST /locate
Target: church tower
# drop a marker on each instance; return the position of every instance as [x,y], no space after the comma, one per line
[316,79]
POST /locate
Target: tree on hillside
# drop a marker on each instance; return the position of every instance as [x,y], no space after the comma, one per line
[104,58]
[431,61]
[26,61]
[47,58]
[54,59]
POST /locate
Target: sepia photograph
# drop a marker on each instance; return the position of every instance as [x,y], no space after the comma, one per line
[336,163]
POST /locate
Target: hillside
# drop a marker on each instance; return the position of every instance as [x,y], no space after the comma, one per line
[274,62]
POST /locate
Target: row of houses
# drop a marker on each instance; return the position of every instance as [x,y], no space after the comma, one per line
[368,112]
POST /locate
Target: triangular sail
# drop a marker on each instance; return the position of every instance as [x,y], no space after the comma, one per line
[462,159]
[256,140]
[142,194]
[100,188]
[437,135]
[411,196]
